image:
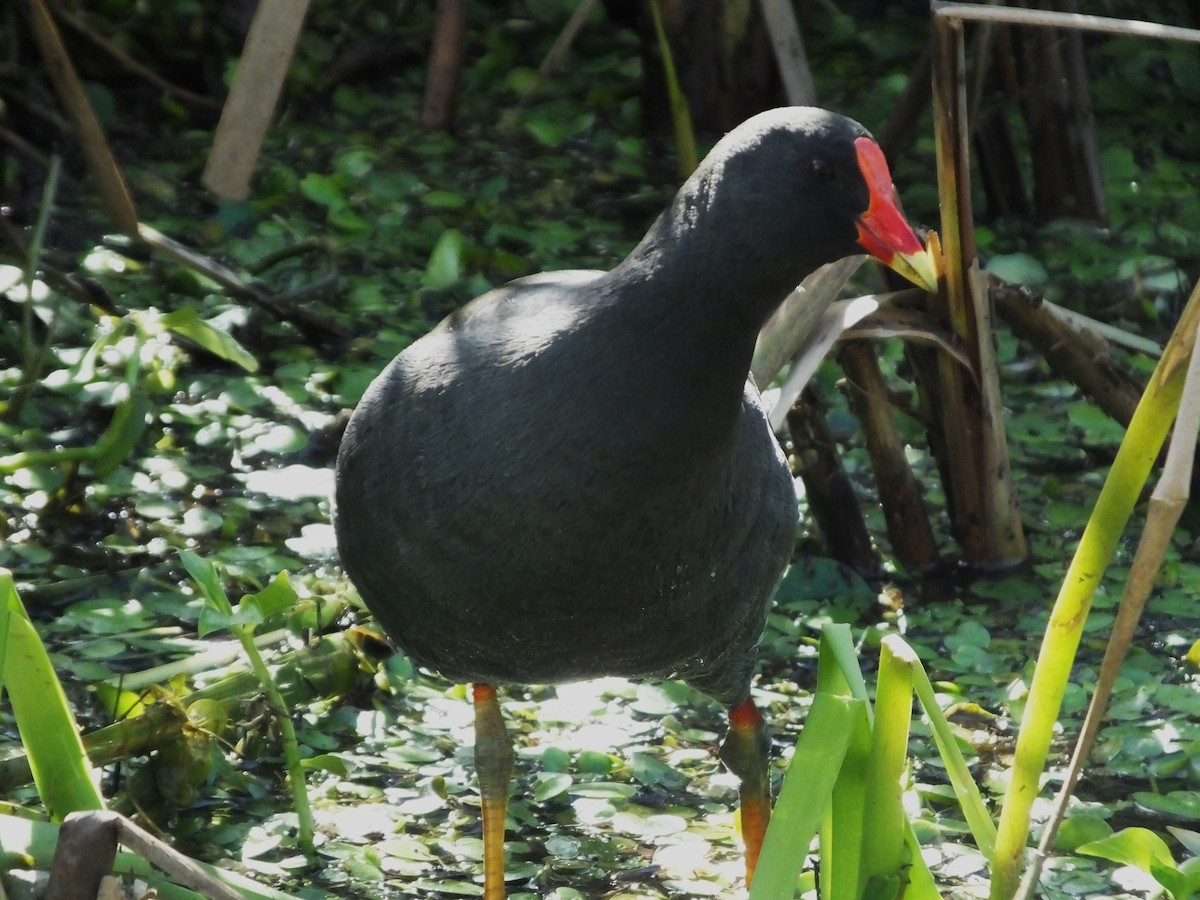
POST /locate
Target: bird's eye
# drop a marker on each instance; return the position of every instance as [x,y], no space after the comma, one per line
[822,169]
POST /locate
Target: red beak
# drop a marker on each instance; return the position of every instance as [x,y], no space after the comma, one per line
[882,229]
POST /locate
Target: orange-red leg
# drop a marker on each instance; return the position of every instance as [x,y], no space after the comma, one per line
[745,751]
[493,766]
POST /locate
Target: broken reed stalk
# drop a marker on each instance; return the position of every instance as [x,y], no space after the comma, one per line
[832,504]
[904,513]
[110,184]
[1082,358]
[326,668]
[983,502]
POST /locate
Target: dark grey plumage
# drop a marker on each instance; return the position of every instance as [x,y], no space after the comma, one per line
[571,476]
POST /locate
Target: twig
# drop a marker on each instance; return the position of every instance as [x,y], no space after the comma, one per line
[34,358]
[831,500]
[445,64]
[565,39]
[985,513]
[82,288]
[904,513]
[27,149]
[300,248]
[902,122]
[132,64]
[311,325]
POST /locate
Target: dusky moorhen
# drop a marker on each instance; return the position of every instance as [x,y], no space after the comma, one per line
[572,475]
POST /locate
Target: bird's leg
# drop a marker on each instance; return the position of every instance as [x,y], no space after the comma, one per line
[493,766]
[745,751]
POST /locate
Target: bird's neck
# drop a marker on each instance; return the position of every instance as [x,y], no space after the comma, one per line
[695,301]
[722,283]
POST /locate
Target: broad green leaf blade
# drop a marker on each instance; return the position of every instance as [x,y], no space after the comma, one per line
[1138,847]
[8,600]
[445,261]
[884,819]
[805,793]
[843,828]
[218,611]
[187,323]
[276,597]
[64,777]
[1171,878]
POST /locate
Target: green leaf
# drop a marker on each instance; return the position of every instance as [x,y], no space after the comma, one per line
[446,261]
[551,784]
[64,777]
[1177,804]
[549,132]
[652,771]
[555,759]
[593,762]
[276,597]
[1018,268]
[1138,847]
[1171,879]
[327,762]
[444,200]
[218,611]
[1097,425]
[187,323]
[1189,872]
[322,189]
[127,425]
[805,794]
[1079,830]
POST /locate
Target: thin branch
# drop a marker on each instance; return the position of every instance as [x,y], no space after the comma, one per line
[972,12]
[565,39]
[132,64]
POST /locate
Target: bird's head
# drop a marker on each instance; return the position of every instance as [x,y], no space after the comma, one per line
[817,188]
